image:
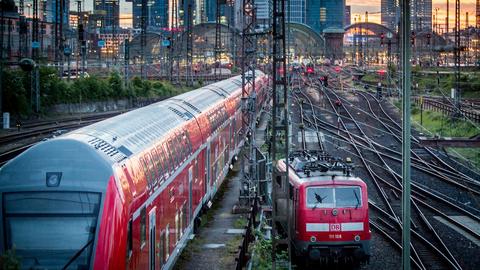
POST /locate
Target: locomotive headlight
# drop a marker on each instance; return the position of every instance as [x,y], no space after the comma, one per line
[356,238]
[53,179]
[313,239]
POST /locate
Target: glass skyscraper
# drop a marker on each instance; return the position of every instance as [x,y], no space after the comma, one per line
[157,13]
[297,11]
[110,10]
[421,14]
[325,15]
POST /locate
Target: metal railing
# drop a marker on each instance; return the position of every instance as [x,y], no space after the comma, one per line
[243,255]
[439,106]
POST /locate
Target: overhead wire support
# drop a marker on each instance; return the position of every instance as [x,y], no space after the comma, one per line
[249,47]
[2,25]
[35,31]
[189,53]
[280,144]
[23,31]
[173,54]
[143,39]
[406,172]
[457,56]
[218,39]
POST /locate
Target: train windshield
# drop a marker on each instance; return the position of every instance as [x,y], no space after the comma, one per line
[331,197]
[51,230]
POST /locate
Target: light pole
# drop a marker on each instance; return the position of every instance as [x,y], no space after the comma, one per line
[406,129]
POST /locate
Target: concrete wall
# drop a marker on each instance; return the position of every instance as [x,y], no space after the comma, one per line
[101,106]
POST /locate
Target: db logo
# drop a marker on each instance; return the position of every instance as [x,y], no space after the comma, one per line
[335,227]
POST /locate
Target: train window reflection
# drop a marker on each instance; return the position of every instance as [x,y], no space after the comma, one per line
[51,230]
[320,197]
[330,197]
[348,197]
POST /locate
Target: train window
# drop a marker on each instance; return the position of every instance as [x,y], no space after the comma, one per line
[196,170]
[329,197]
[129,239]
[167,241]
[162,249]
[160,164]
[176,228]
[153,167]
[188,143]
[173,151]
[144,164]
[169,157]
[320,197]
[348,197]
[180,147]
[40,224]
[143,226]
[178,150]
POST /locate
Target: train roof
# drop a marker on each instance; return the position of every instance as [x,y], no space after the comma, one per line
[32,168]
[131,132]
[305,169]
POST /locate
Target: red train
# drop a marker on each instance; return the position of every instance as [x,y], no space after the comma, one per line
[330,210]
[125,192]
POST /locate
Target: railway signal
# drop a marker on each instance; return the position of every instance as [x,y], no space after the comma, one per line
[379,90]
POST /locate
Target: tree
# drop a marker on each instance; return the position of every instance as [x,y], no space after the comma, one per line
[116,84]
[14,93]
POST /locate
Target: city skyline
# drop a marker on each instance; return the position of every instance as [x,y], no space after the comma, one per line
[358,9]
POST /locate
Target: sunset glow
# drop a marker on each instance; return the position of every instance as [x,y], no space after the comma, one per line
[373,7]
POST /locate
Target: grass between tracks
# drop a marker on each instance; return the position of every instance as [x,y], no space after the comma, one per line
[435,123]
[445,126]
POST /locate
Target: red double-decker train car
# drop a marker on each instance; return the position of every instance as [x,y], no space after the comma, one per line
[124,192]
[329,217]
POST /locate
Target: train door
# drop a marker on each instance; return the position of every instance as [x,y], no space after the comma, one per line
[151,217]
[295,209]
[207,169]
[232,133]
[190,199]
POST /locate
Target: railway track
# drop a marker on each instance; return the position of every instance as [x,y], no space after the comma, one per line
[429,251]
[37,131]
[47,126]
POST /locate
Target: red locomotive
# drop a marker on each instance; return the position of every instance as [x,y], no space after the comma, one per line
[125,192]
[329,210]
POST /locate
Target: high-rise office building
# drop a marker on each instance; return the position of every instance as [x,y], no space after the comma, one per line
[421,14]
[263,13]
[52,7]
[325,14]
[110,10]
[157,14]
[389,13]
[477,14]
[298,11]
[348,16]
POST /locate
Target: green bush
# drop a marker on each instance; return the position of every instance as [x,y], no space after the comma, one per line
[55,90]
[15,99]
[9,260]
